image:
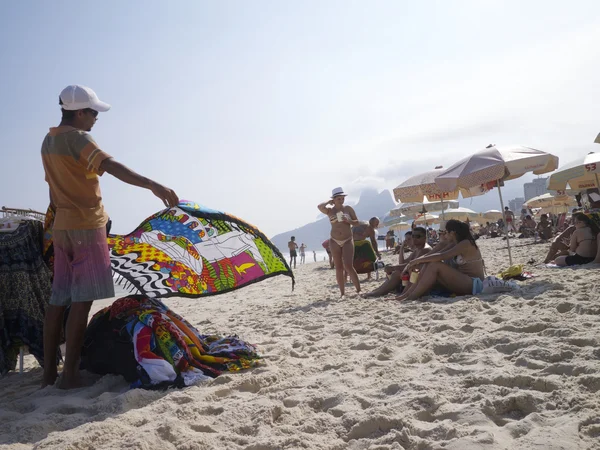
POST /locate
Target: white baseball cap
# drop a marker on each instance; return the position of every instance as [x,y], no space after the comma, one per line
[76,97]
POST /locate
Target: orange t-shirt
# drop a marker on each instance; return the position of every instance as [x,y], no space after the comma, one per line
[72,161]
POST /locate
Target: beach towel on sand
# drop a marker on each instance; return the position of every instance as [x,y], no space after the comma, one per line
[153,347]
[364,256]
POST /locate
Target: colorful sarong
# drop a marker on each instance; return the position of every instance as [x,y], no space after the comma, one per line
[364,256]
[152,347]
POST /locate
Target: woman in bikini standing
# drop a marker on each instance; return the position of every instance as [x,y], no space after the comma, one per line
[341,243]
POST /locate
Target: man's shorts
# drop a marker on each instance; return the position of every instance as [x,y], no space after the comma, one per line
[82,270]
[293,254]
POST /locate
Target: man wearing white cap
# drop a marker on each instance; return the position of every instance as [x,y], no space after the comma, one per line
[72,163]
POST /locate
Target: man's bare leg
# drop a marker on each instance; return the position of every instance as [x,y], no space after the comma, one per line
[53,322]
[388,285]
[76,325]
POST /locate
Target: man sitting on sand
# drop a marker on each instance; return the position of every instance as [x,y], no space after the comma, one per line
[73,163]
[419,247]
[544,228]
[365,252]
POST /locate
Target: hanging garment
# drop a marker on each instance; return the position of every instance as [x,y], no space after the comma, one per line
[25,288]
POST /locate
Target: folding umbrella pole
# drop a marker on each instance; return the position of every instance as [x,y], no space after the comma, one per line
[505,224]
[442,200]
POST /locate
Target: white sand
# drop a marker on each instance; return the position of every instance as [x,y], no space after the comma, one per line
[520,372]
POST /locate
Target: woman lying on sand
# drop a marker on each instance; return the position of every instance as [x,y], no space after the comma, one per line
[341,243]
[583,245]
[462,275]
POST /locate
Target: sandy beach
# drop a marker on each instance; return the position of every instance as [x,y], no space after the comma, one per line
[504,371]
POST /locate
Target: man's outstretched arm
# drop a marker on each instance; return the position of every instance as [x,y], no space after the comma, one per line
[126,175]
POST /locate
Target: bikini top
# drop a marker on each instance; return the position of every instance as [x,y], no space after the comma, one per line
[460,261]
[333,219]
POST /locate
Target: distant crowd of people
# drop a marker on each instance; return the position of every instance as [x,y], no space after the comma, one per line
[448,262]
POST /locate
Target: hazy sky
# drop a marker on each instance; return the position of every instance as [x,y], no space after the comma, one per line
[261,108]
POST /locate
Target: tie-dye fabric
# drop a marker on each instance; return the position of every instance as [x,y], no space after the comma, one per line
[153,347]
[193,251]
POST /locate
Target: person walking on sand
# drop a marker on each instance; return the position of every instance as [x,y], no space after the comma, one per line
[292,247]
[315,255]
[72,164]
[342,218]
[510,220]
[302,253]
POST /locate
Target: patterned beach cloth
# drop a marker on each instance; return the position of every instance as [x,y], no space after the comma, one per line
[364,256]
[152,347]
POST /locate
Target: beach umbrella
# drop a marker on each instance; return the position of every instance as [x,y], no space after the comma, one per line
[553,210]
[548,201]
[389,220]
[427,219]
[492,214]
[423,206]
[579,175]
[401,226]
[423,185]
[493,165]
[460,214]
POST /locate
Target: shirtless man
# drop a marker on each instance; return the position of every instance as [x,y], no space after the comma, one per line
[292,246]
[362,254]
[419,247]
[302,253]
[544,228]
[367,230]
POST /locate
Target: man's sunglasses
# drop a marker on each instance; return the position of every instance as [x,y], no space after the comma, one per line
[93,112]
[418,236]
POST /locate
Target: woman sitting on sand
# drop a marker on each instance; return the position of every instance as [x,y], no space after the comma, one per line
[582,246]
[463,276]
[341,243]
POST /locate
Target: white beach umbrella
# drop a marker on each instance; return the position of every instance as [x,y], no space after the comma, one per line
[423,185]
[492,214]
[401,226]
[389,220]
[427,219]
[460,214]
[548,200]
[424,205]
[492,166]
[579,175]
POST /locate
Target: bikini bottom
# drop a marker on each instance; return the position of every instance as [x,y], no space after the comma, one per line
[342,242]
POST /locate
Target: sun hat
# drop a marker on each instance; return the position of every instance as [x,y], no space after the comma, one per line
[338,191]
[75,97]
